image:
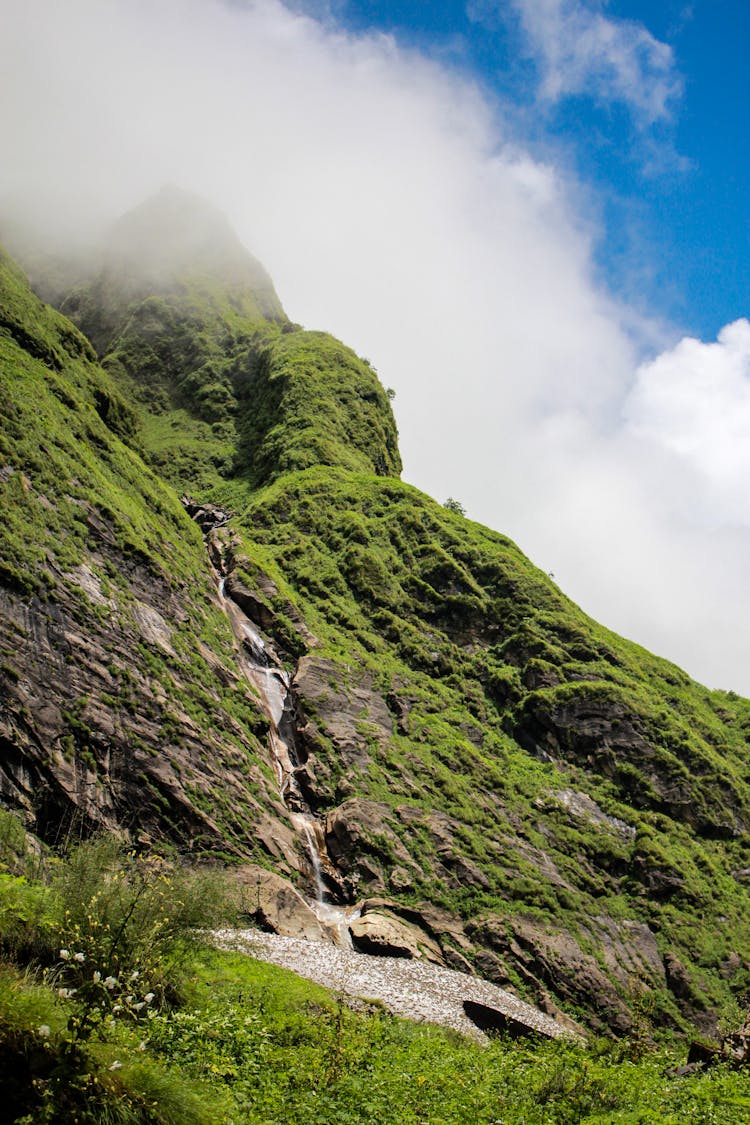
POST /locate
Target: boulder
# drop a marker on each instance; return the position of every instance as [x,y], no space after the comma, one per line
[385,935]
[276,906]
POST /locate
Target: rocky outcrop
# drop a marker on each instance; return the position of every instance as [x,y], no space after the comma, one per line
[94,724]
[361,840]
[209,517]
[596,729]
[583,807]
[553,962]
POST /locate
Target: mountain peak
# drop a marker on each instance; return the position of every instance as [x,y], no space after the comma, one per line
[175,230]
[175,235]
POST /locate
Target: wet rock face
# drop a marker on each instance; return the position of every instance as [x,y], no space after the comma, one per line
[251,602]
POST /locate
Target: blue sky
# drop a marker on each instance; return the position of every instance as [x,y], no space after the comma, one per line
[672,194]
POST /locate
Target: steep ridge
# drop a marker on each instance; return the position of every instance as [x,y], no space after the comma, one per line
[499,783]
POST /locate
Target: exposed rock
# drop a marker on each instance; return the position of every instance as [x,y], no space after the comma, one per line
[735,1048]
[553,959]
[343,707]
[630,952]
[464,872]
[250,602]
[207,516]
[359,833]
[90,738]
[599,731]
[379,932]
[90,583]
[731,966]
[281,843]
[679,981]
[276,906]
[400,879]
[153,627]
[583,807]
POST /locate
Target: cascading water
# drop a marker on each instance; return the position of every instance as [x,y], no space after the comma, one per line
[272,684]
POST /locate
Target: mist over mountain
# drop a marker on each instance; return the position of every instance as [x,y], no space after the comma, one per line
[227,626]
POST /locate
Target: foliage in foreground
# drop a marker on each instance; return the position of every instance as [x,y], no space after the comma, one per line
[93,945]
[177,1034]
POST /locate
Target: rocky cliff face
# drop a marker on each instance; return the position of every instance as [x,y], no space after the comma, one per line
[499,784]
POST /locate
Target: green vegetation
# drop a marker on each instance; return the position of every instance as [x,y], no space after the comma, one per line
[580,806]
[481,660]
[231,402]
[92,946]
[94,544]
[112,1010]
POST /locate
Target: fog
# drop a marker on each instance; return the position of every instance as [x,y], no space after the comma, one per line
[395,206]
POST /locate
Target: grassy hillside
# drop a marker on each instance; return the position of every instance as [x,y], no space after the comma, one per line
[538,773]
[551,804]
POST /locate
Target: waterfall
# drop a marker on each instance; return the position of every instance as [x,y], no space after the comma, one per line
[273,686]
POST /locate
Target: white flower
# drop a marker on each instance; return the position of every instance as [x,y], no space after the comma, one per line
[97,977]
[45,1031]
[66,993]
[116,1065]
[129,999]
[79,957]
[110,982]
[149,997]
[65,954]
[113,1024]
[142,1045]
[134,975]
[117,1007]
[137,1007]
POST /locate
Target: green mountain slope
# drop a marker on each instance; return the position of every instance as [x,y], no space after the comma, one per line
[116,708]
[530,794]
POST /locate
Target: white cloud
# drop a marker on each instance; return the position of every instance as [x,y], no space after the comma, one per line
[581,51]
[694,401]
[381,194]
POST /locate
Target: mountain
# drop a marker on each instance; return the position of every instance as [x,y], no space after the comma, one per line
[312,670]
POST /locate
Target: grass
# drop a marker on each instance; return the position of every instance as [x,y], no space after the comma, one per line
[232,1040]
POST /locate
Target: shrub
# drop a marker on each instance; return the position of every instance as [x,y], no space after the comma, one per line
[126,914]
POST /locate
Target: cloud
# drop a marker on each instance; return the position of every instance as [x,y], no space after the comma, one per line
[581,51]
[389,205]
[694,402]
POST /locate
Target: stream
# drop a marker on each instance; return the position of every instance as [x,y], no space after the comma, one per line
[272,684]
